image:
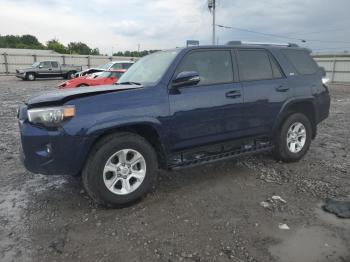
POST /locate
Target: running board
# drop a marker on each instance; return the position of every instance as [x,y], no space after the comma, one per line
[183,162]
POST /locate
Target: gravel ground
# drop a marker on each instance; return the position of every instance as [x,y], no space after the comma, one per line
[219,212]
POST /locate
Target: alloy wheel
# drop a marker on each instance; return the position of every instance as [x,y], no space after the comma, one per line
[296,137]
[124,171]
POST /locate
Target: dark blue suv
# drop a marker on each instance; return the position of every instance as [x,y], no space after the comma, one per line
[174,109]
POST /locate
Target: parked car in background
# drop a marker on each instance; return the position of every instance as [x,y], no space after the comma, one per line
[103,78]
[108,66]
[175,109]
[47,69]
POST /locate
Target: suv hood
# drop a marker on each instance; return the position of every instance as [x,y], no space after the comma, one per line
[61,96]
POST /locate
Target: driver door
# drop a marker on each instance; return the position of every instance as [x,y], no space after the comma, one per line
[45,69]
[210,111]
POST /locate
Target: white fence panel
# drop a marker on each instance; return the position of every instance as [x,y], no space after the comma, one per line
[337,66]
[10,62]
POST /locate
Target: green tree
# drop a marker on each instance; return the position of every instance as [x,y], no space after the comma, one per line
[78,48]
[95,51]
[56,46]
[31,41]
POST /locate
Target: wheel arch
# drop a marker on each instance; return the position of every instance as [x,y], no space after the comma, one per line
[32,72]
[146,130]
[305,106]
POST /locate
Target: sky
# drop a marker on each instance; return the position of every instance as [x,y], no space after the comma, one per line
[119,25]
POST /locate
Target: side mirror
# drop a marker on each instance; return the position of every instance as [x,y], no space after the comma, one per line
[41,66]
[186,78]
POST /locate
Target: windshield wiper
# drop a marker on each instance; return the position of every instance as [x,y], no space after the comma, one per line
[129,83]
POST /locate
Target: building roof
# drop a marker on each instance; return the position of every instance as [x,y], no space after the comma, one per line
[26,51]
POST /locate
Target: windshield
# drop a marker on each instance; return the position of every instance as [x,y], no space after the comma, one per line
[36,64]
[106,66]
[149,69]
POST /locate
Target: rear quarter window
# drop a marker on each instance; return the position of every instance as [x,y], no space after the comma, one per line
[302,61]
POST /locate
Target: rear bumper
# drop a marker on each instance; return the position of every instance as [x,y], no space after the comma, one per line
[323,102]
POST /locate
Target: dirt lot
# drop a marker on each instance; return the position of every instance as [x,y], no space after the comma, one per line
[209,213]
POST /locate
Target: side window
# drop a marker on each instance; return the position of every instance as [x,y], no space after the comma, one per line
[213,66]
[276,71]
[54,64]
[302,61]
[45,64]
[126,65]
[117,66]
[254,65]
[117,74]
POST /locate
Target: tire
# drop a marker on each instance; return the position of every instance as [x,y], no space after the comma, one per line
[30,76]
[70,75]
[293,138]
[81,85]
[108,186]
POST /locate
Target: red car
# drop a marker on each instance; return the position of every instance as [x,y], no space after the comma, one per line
[103,78]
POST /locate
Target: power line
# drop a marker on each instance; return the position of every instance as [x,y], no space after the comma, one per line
[281,36]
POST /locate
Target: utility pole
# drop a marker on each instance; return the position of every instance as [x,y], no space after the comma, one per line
[211,6]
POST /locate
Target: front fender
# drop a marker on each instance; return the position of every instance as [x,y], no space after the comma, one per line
[101,127]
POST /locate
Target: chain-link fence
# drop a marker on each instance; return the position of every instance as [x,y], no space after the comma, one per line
[337,66]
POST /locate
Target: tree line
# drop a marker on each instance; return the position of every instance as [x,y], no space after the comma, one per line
[31,42]
[79,48]
[134,53]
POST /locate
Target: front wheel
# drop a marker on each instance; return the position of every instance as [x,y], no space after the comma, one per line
[120,170]
[30,76]
[293,139]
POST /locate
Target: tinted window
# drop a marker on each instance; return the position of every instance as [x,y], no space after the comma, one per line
[275,68]
[126,65]
[117,74]
[117,66]
[301,60]
[46,64]
[254,65]
[54,64]
[213,66]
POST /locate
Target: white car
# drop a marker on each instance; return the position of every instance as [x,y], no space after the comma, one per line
[106,67]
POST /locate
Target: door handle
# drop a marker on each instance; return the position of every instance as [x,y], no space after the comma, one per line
[282,88]
[50,69]
[233,94]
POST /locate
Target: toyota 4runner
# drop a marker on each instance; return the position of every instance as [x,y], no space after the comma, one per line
[174,109]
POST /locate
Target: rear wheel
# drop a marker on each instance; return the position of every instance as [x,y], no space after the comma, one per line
[70,75]
[120,170]
[294,138]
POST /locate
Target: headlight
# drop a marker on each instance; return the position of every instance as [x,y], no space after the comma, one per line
[50,116]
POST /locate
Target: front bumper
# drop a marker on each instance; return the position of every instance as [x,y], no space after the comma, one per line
[52,152]
[21,75]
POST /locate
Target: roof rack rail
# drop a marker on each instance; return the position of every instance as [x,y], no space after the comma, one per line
[261,43]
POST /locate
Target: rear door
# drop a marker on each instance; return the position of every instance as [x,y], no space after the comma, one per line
[56,69]
[210,111]
[265,89]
